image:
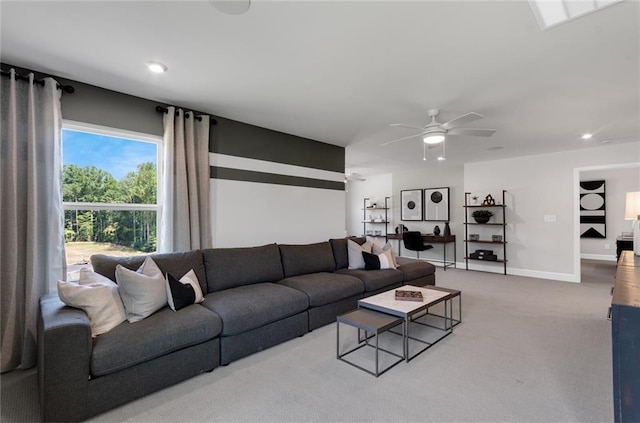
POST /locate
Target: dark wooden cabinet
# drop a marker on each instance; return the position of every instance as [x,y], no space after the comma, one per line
[625,332]
[623,243]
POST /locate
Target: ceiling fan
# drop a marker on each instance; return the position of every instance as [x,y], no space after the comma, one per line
[435,132]
[355,177]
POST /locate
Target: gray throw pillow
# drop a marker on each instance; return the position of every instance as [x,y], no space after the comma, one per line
[355,254]
[143,292]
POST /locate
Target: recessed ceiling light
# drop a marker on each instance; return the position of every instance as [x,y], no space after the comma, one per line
[441,158]
[586,136]
[156,67]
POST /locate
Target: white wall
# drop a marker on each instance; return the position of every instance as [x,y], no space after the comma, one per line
[375,188]
[617,183]
[246,214]
[539,186]
[433,176]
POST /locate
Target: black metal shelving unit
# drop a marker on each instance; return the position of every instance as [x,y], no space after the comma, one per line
[501,224]
[366,221]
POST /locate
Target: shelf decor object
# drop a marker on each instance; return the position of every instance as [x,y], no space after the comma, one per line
[592,210]
[411,204]
[481,218]
[436,204]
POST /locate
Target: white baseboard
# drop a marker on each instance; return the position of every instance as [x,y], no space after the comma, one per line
[604,257]
[498,268]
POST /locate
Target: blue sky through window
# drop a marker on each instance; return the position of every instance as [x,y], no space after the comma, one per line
[117,156]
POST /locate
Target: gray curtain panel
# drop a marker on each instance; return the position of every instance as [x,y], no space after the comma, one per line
[185,221]
[32,257]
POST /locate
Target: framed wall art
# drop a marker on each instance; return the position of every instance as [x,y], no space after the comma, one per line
[411,204]
[436,204]
[593,219]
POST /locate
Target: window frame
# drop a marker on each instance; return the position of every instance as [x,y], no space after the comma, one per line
[126,134]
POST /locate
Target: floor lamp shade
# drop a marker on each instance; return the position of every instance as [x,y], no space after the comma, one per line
[632,212]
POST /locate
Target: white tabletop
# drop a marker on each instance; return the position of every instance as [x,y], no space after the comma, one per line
[387,303]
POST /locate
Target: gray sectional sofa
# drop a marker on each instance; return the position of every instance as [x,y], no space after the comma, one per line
[256,297]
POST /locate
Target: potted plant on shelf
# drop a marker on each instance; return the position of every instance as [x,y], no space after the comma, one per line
[481,216]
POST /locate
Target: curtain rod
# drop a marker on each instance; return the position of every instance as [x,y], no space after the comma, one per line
[161,109]
[66,88]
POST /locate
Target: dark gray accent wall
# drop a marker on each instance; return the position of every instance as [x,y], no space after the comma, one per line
[217,172]
[100,106]
[243,140]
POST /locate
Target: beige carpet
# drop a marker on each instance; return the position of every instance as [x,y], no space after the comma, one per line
[529,350]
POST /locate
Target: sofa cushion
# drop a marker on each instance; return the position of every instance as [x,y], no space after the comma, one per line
[374,279]
[340,253]
[159,334]
[178,264]
[307,258]
[414,269]
[252,306]
[325,288]
[233,267]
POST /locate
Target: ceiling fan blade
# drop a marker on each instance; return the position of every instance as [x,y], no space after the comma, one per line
[461,120]
[471,131]
[406,126]
[400,139]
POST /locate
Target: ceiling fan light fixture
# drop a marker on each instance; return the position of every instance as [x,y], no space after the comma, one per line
[436,138]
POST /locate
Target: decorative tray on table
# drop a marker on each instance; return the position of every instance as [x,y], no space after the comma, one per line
[404,295]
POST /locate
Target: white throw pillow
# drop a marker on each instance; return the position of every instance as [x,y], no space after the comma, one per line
[183,292]
[98,297]
[386,249]
[143,292]
[355,253]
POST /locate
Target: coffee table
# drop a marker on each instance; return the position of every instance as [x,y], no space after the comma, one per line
[410,311]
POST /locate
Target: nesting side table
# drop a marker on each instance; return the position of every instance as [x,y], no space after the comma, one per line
[374,323]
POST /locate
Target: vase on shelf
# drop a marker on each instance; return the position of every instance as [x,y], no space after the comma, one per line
[436,230]
[447,229]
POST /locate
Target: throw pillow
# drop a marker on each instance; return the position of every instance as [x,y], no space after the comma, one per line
[181,293]
[386,249]
[98,297]
[143,292]
[376,261]
[355,254]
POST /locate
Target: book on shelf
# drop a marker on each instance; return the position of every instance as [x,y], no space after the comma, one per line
[406,295]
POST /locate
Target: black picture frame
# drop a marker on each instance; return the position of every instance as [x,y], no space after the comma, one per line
[436,204]
[411,204]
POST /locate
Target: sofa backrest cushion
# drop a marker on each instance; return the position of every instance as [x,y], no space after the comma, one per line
[341,252]
[302,259]
[178,264]
[232,267]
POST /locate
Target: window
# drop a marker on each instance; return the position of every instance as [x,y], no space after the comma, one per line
[110,192]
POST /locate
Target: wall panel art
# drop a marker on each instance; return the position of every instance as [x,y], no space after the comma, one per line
[593,222]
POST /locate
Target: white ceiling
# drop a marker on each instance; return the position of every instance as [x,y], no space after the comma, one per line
[341,72]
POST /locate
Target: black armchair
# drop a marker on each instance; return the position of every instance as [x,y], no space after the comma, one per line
[413,241]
